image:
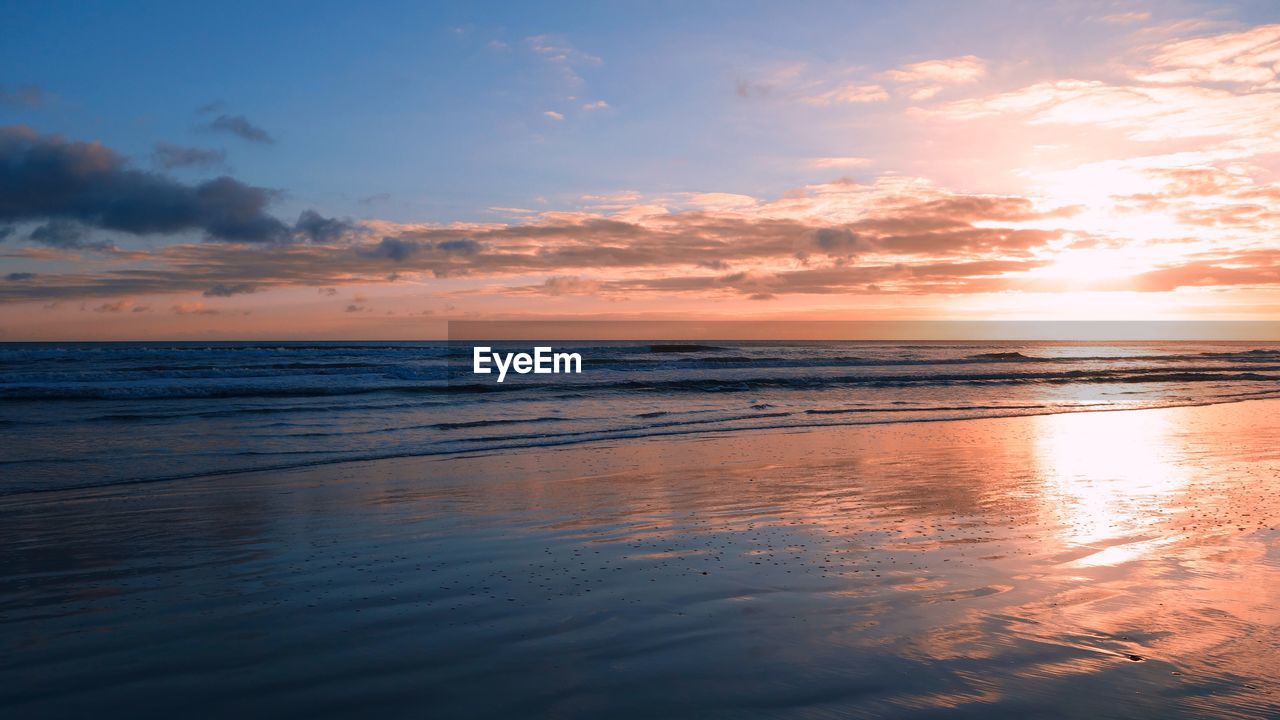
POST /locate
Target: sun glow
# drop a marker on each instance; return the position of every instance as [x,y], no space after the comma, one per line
[1107,481]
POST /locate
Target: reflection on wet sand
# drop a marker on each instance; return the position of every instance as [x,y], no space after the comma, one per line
[1109,479]
[1089,565]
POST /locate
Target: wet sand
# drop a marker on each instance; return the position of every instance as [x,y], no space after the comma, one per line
[1115,564]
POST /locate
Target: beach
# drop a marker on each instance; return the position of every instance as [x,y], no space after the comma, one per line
[1090,564]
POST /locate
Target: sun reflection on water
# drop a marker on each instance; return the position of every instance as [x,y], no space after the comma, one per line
[1108,481]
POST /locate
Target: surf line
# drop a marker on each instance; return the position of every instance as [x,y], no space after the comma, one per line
[543,361]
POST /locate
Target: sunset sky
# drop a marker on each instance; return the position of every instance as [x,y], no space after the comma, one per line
[327,170]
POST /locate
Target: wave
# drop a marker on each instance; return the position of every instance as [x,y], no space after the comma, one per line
[1002,356]
[565,439]
[683,348]
[721,385]
[161,391]
[850,411]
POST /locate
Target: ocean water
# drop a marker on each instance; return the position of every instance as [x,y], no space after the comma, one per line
[93,414]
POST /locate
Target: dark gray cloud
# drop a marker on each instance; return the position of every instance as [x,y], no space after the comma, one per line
[839,240]
[66,235]
[393,248]
[240,126]
[169,157]
[461,246]
[47,178]
[19,276]
[25,96]
[319,229]
[58,234]
[401,249]
[224,290]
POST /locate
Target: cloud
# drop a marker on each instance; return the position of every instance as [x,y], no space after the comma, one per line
[221,290]
[558,51]
[65,235]
[826,163]
[460,246]
[1251,268]
[951,71]
[392,248]
[840,226]
[1248,58]
[1170,153]
[240,126]
[595,105]
[317,228]
[847,93]
[20,276]
[112,307]
[169,157]
[554,115]
[1126,18]
[58,234]
[722,201]
[23,96]
[62,182]
[1145,113]
[563,57]
[192,309]
[942,277]
[569,285]
[924,80]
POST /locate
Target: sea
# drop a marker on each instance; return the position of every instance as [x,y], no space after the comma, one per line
[78,415]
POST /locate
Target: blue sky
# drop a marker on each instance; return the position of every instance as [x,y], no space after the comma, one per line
[441,106]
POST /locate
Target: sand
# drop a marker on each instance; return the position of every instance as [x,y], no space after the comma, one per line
[1114,564]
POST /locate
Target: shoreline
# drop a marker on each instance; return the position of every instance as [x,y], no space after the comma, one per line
[6,496]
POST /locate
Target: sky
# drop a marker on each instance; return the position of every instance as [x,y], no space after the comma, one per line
[332,170]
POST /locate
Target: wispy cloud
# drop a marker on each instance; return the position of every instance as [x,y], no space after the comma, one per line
[827,163]
[1249,58]
[951,71]
[239,126]
[170,157]
[924,80]
[567,60]
[23,96]
[848,93]
[1126,18]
